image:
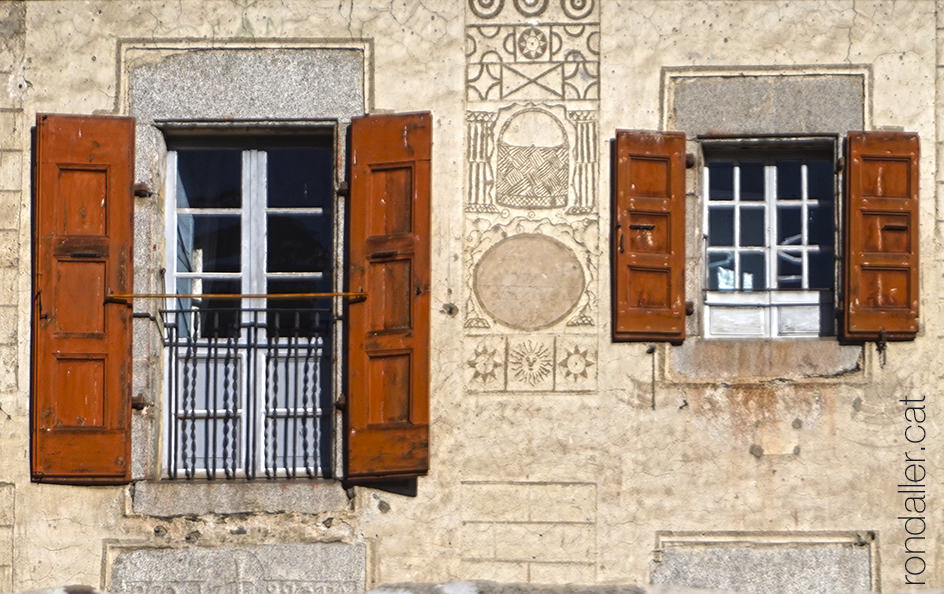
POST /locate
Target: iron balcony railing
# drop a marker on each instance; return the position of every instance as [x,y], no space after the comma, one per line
[248,390]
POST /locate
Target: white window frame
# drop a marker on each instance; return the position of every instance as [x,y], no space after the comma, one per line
[253,278]
[769,313]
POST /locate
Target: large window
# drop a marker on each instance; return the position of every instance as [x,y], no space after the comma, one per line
[770,228]
[251,232]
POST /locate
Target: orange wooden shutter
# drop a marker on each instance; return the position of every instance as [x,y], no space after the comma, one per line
[388,333]
[880,297]
[648,238]
[82,234]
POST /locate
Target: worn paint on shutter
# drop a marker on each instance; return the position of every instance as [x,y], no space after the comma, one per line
[648,236]
[388,332]
[880,290]
[82,250]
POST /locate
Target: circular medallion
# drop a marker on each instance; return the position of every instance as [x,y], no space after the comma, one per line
[531,8]
[577,9]
[486,9]
[528,281]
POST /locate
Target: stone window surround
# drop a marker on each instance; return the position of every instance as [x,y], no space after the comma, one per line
[805,360]
[143,67]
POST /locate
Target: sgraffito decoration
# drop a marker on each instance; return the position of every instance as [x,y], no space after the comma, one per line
[532,363]
[530,251]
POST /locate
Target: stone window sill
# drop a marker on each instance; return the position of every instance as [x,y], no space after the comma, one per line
[699,359]
[178,498]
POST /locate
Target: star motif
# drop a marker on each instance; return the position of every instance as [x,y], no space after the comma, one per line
[485,364]
[576,363]
[532,43]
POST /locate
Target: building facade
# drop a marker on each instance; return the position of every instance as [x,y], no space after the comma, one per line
[319,296]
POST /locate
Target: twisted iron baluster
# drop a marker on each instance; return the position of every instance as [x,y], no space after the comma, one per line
[306,440]
[190,389]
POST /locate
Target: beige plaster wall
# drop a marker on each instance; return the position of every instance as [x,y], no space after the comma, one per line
[543,485]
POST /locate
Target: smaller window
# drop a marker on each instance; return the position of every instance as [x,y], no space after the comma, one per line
[770,235]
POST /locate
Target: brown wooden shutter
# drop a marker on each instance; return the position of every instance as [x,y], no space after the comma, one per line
[82,234]
[880,289]
[388,333]
[648,238]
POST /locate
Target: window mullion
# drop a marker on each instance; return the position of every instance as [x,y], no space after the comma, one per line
[770,247]
[737,227]
[804,209]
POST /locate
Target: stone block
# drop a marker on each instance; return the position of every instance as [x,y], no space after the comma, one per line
[166,498]
[282,84]
[562,502]
[11,170]
[547,542]
[769,104]
[478,540]
[562,573]
[9,248]
[784,568]
[318,567]
[8,369]
[9,209]
[498,571]
[7,494]
[7,321]
[9,280]
[495,502]
[11,129]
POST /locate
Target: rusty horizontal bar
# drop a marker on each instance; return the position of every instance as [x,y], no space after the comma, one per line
[229,295]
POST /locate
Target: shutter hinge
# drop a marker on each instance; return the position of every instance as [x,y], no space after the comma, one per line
[840,164]
[142,190]
[341,402]
[343,190]
[689,160]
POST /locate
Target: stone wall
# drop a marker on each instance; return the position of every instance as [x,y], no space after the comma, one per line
[557,456]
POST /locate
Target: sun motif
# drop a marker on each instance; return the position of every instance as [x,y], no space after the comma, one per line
[532,43]
[576,363]
[530,362]
[484,364]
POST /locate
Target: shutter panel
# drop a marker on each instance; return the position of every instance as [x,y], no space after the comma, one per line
[880,296]
[82,234]
[388,332]
[648,239]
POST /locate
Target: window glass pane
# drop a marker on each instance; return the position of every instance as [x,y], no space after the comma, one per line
[204,318]
[789,182]
[789,225]
[819,177]
[753,229]
[209,178]
[302,316]
[208,243]
[300,177]
[721,271]
[752,181]
[821,224]
[298,243]
[789,270]
[720,226]
[821,269]
[721,181]
[753,272]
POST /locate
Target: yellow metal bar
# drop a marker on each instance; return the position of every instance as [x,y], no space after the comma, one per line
[229,295]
